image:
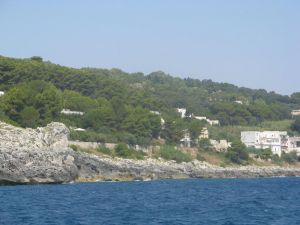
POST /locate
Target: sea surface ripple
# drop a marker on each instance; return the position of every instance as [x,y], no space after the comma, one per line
[274,201]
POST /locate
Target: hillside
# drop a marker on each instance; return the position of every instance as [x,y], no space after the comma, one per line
[117,105]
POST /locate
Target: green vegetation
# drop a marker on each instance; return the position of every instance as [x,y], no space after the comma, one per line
[296,124]
[123,151]
[200,157]
[290,157]
[32,104]
[122,107]
[156,91]
[264,154]
[169,152]
[204,144]
[104,150]
[213,157]
[74,147]
[237,153]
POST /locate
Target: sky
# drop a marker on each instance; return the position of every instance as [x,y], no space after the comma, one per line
[249,43]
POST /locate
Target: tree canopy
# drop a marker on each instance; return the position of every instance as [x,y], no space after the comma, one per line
[120,105]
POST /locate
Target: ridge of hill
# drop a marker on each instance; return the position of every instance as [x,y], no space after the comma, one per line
[119,106]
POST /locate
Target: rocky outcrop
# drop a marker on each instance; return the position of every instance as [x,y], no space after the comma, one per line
[94,168]
[55,135]
[42,155]
[36,156]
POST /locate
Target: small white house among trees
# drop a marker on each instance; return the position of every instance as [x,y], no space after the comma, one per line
[182,112]
[295,112]
[70,112]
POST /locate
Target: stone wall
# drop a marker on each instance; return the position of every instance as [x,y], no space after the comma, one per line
[147,149]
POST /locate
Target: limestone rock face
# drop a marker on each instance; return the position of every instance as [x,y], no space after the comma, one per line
[36,155]
[54,135]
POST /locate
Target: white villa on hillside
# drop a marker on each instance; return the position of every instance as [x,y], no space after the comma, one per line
[186,140]
[209,121]
[204,134]
[295,112]
[1,93]
[70,112]
[182,112]
[238,102]
[220,145]
[277,141]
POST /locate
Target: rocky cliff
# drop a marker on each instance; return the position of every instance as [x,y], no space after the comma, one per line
[36,156]
[42,155]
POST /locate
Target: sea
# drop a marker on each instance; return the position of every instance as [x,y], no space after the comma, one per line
[257,201]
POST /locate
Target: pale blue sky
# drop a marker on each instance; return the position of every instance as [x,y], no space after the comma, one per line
[251,43]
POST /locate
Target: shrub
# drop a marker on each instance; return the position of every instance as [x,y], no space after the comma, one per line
[29,117]
[290,157]
[92,136]
[266,154]
[169,152]
[237,153]
[296,125]
[261,153]
[276,159]
[104,150]
[123,151]
[204,144]
[200,157]
[74,147]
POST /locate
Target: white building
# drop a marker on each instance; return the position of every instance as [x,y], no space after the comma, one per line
[295,112]
[1,93]
[182,112]
[186,140]
[214,122]
[155,112]
[200,118]
[294,144]
[277,141]
[221,145]
[238,102]
[79,129]
[162,123]
[70,112]
[204,133]
[211,122]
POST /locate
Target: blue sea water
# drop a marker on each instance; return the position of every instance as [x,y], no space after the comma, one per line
[264,201]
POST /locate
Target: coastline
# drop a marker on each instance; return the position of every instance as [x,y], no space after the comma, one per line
[118,169]
[42,156]
[117,180]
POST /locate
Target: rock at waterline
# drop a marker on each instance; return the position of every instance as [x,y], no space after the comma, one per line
[36,155]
